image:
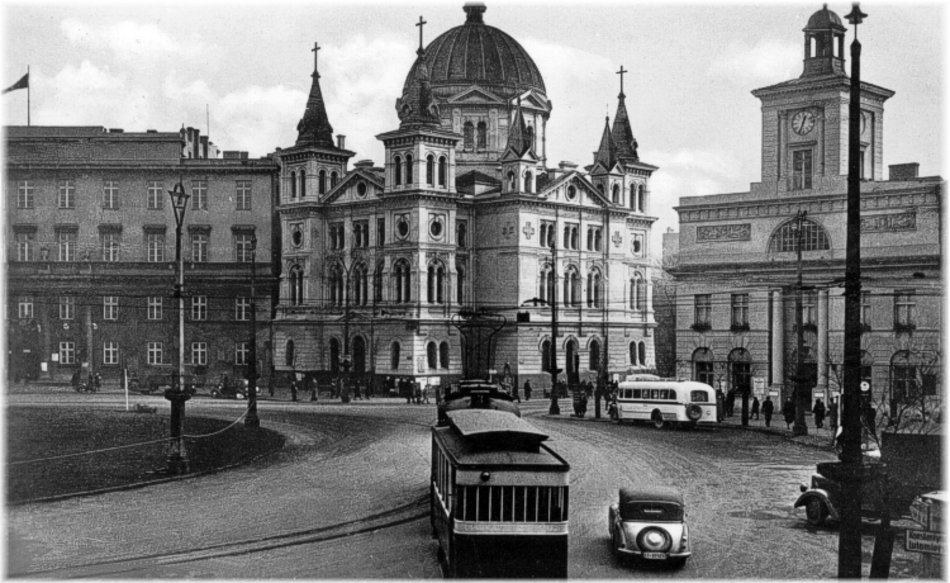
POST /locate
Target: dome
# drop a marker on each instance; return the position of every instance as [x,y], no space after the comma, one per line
[477,54]
[824,19]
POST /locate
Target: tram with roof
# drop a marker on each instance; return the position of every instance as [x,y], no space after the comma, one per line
[498,498]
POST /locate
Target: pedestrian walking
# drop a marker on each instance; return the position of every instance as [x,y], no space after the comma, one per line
[788,412]
[755,407]
[417,392]
[527,390]
[730,402]
[293,390]
[833,415]
[819,411]
[313,388]
[405,390]
[425,395]
[767,407]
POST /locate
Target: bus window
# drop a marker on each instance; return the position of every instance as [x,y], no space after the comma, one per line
[699,396]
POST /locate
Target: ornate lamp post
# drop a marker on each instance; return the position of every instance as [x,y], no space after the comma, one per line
[252,420]
[177,459]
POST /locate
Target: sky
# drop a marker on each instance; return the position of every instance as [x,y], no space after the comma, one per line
[242,70]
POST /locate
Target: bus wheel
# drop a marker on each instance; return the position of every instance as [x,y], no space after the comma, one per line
[657,419]
[694,412]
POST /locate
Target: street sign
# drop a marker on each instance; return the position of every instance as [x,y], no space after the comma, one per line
[924,541]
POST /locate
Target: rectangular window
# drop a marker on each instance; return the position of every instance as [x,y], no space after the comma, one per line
[199,353]
[570,236]
[66,243]
[704,373]
[199,247]
[25,307]
[110,307]
[380,232]
[866,308]
[156,352]
[594,239]
[808,308]
[199,195]
[241,353]
[242,247]
[243,195]
[110,247]
[361,234]
[24,194]
[25,244]
[67,353]
[110,353]
[740,310]
[155,247]
[67,194]
[110,194]
[801,169]
[702,309]
[153,195]
[155,307]
[904,308]
[337,236]
[242,309]
[199,308]
[67,307]
[512,503]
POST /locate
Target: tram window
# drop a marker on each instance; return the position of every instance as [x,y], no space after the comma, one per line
[512,503]
[699,396]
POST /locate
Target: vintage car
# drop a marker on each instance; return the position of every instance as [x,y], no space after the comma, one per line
[649,524]
[231,389]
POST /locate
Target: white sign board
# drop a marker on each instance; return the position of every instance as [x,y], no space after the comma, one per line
[924,541]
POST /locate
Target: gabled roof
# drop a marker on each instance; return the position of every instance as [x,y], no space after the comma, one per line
[580,180]
[622,135]
[519,147]
[348,179]
[475,93]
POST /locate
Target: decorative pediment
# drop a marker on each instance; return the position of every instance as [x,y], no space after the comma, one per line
[347,189]
[475,94]
[580,182]
[531,100]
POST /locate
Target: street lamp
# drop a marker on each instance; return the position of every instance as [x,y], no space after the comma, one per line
[177,459]
[554,409]
[252,420]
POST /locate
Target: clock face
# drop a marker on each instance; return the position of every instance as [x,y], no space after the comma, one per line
[803,122]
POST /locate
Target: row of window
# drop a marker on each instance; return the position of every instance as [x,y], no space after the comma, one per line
[155,194]
[401,281]
[571,292]
[110,246]
[298,182]
[637,196]
[637,354]
[154,308]
[905,309]
[155,353]
[436,169]
[337,240]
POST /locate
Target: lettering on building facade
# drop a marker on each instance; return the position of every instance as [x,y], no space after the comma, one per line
[889,223]
[738,232]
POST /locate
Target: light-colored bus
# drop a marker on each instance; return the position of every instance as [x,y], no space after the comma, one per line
[685,403]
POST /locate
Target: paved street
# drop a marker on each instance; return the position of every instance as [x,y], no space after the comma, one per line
[346,498]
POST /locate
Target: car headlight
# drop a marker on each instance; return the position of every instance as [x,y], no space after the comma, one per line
[653,540]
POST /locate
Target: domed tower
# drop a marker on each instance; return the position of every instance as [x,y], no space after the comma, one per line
[477,73]
[824,44]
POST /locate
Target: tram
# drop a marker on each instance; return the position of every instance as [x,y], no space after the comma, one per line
[476,394]
[498,498]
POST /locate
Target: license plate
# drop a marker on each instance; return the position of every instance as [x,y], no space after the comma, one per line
[654,555]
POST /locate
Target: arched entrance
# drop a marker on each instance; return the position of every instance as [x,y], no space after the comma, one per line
[359,356]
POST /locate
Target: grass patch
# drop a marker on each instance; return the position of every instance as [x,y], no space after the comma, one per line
[38,437]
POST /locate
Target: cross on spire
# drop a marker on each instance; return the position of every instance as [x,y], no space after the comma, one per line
[621,72]
[420,25]
[316,47]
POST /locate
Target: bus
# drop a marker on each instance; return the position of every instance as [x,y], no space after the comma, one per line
[498,498]
[682,403]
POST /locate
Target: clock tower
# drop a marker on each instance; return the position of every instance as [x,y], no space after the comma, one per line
[805,120]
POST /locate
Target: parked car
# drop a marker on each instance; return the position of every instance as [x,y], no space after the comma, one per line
[822,499]
[650,524]
[231,389]
[161,382]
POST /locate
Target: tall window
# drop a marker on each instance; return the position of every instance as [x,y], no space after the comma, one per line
[361,234]
[546,285]
[66,242]
[110,246]
[67,194]
[296,285]
[110,307]
[243,195]
[242,247]
[442,170]
[336,283]
[155,352]
[594,290]
[199,247]
[432,355]
[199,195]
[25,307]
[199,308]
[241,353]
[703,366]
[468,134]
[571,295]
[322,182]
[67,353]
[482,136]
[740,310]
[634,357]
[903,377]
[293,185]
[615,194]
[154,311]
[67,307]
[199,353]
[801,169]
[337,236]
[594,239]
[153,195]
[155,247]
[402,283]
[435,284]
[461,234]
[430,169]
[394,356]
[302,177]
[333,178]
[110,353]
[594,363]
[444,354]
[360,284]
[110,194]
[397,170]
[546,356]
[637,293]
[460,285]
[378,283]
[866,308]
[408,168]
[570,236]
[380,232]
[24,194]
[904,308]
[809,301]
[642,198]
[25,244]
[702,308]
[242,309]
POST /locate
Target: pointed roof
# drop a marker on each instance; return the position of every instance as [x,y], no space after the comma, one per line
[622,135]
[519,142]
[314,128]
[606,154]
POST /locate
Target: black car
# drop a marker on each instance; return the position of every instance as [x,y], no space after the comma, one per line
[231,389]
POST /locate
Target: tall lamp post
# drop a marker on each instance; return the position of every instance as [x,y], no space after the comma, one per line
[554,409]
[177,459]
[252,420]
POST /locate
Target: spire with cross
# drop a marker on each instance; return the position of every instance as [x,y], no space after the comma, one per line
[621,72]
[314,50]
[420,24]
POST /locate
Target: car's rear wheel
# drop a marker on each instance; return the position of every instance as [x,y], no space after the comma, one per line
[657,419]
[815,511]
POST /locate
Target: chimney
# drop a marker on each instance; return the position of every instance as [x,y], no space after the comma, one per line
[364,164]
[204,147]
[341,141]
[909,171]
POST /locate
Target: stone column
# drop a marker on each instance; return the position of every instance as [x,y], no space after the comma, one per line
[823,343]
[778,342]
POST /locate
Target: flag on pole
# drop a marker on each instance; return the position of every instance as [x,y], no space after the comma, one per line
[23,83]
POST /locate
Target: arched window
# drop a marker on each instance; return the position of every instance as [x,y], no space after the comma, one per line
[594,355]
[642,353]
[546,291]
[637,293]
[408,168]
[642,198]
[703,366]
[394,356]
[594,289]
[360,284]
[336,286]
[482,136]
[615,194]
[529,134]
[528,181]
[435,284]
[378,283]
[401,281]
[461,235]
[633,197]
[546,356]
[289,356]
[460,285]
[786,238]
[334,356]
[444,355]
[430,170]
[303,184]
[334,177]
[511,182]
[322,182]
[397,169]
[468,133]
[432,355]
[296,285]
[293,185]
[442,167]
[633,354]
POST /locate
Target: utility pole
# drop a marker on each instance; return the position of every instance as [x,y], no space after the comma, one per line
[555,408]
[252,420]
[801,400]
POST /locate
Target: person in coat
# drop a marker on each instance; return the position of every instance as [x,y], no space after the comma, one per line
[767,408]
[527,390]
[833,415]
[788,411]
[755,408]
[819,411]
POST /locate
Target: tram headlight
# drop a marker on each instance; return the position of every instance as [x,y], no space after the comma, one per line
[485,476]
